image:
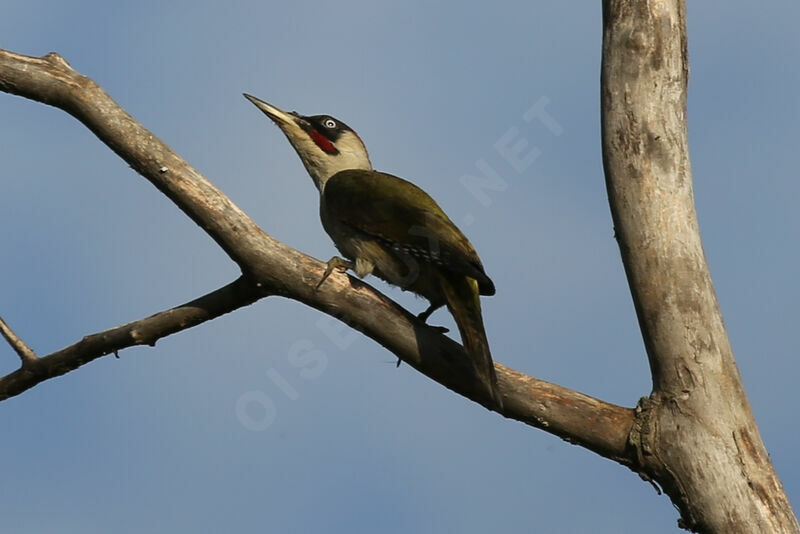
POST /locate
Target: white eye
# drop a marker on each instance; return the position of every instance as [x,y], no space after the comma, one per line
[329,123]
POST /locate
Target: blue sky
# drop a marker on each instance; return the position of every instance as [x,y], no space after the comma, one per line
[153,441]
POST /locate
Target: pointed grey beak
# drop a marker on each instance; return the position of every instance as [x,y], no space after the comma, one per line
[280,117]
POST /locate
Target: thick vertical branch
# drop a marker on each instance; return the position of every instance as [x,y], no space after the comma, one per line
[698,437]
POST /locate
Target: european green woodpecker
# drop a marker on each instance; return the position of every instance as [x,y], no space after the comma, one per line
[391,228]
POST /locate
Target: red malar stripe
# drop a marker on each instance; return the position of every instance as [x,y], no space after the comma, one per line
[323,142]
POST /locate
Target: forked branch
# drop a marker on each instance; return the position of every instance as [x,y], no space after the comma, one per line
[145,331]
[270,267]
[24,352]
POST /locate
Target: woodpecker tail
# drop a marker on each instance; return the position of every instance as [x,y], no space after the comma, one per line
[463,301]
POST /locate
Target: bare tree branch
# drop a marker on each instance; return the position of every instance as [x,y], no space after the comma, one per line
[697,435]
[147,331]
[25,353]
[274,268]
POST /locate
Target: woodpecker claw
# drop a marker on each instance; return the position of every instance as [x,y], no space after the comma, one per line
[340,264]
[427,313]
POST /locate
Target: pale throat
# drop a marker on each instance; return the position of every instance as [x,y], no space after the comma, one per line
[351,155]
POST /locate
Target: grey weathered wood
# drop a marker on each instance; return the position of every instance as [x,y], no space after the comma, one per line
[270,267]
[696,435]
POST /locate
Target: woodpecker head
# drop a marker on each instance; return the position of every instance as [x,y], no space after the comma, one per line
[324,144]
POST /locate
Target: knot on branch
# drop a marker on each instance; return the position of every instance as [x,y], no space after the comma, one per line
[58,59]
[641,438]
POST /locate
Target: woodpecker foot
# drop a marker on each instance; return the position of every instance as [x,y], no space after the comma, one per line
[340,264]
[427,313]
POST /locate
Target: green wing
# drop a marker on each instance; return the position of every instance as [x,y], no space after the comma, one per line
[405,217]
